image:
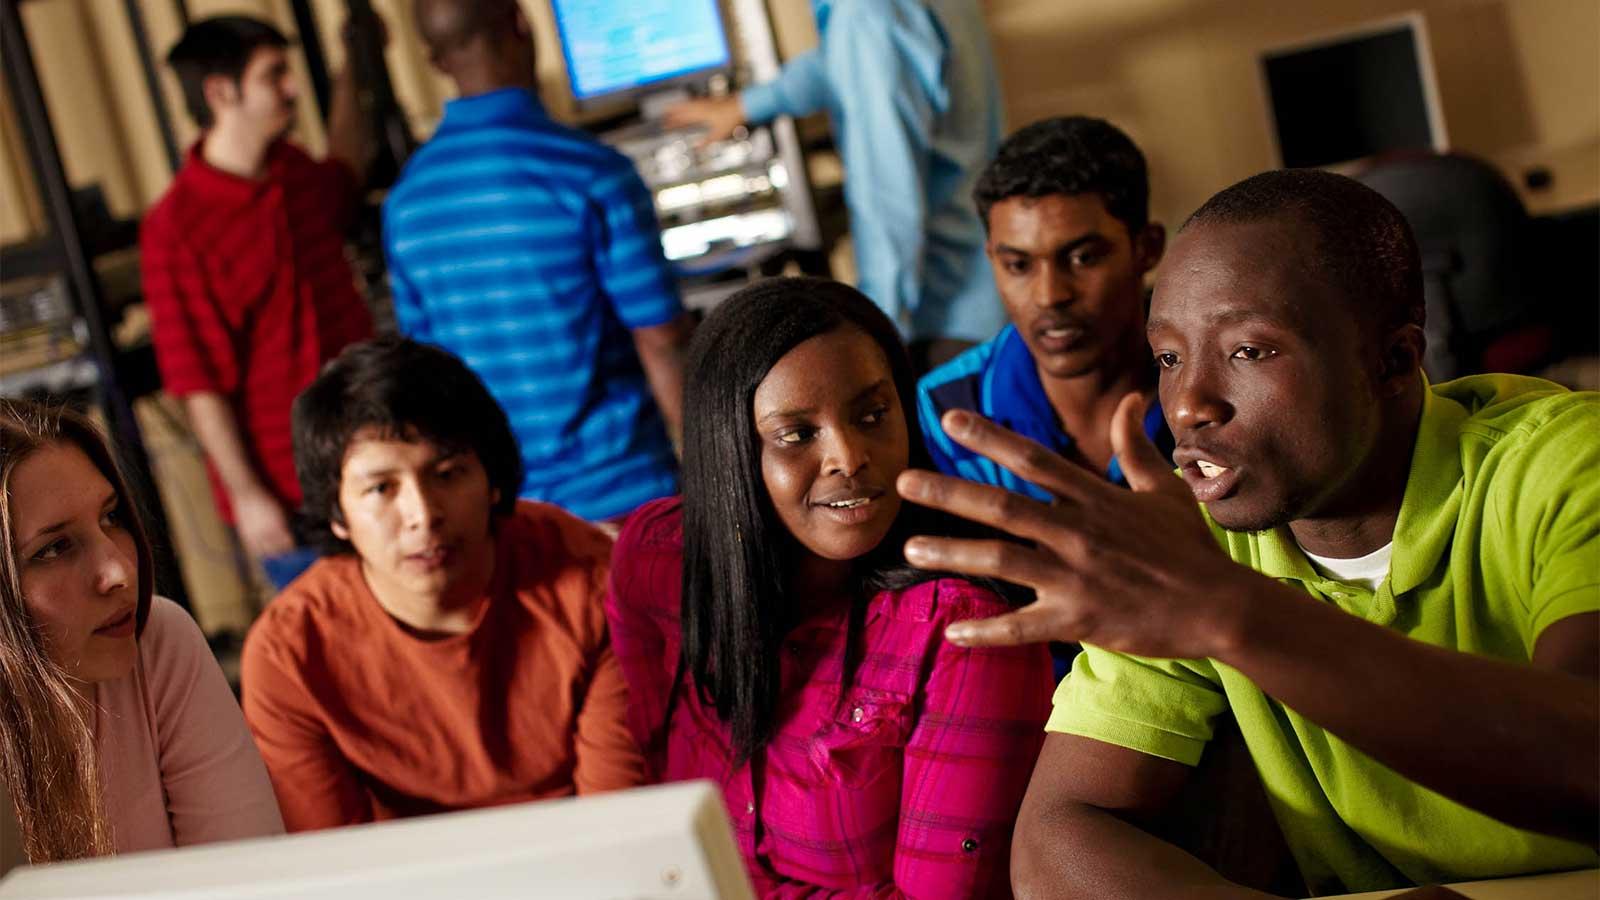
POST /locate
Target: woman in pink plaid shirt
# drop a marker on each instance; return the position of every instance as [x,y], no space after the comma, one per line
[774,640]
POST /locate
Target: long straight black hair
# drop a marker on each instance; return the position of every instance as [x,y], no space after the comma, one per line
[738,558]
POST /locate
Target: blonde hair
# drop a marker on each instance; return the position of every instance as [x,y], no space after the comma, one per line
[47,753]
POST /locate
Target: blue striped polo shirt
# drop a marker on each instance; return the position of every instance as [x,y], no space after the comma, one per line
[998,380]
[529,249]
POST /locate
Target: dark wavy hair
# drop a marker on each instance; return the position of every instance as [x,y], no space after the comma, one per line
[1069,155]
[221,45]
[738,558]
[404,389]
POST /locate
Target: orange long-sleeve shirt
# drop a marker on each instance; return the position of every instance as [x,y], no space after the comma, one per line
[359,719]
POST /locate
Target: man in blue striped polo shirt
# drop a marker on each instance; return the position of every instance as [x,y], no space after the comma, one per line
[531,250]
[1066,206]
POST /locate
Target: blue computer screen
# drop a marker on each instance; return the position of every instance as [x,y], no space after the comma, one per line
[615,45]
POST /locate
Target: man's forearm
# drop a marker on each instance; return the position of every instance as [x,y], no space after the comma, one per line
[664,369]
[661,353]
[1447,720]
[1078,850]
[349,133]
[212,419]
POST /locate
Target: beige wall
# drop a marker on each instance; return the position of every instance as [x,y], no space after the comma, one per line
[1519,82]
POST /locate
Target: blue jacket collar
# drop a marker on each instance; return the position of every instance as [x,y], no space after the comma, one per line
[1013,396]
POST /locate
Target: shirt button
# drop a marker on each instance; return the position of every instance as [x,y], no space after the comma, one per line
[750,808]
[1340,595]
[856,714]
[969,845]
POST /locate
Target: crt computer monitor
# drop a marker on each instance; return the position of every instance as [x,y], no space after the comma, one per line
[621,49]
[671,841]
[1354,95]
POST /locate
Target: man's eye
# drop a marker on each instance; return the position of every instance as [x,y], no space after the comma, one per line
[1166,360]
[876,415]
[1015,266]
[1253,354]
[379,489]
[1086,258]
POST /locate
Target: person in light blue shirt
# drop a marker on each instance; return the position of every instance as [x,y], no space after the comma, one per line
[911,89]
[531,251]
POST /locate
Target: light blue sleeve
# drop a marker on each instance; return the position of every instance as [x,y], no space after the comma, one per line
[800,89]
[885,135]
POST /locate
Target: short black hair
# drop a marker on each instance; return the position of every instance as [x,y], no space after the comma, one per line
[221,45]
[1363,245]
[404,389]
[1069,155]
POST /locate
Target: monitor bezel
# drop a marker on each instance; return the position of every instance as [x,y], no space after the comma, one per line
[612,99]
[1415,23]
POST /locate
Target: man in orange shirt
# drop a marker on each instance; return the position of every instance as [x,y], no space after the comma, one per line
[450,650]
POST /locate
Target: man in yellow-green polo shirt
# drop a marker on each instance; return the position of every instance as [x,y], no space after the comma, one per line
[1405,620]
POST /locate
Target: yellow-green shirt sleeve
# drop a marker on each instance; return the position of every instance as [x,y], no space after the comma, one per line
[1553,507]
[1160,707]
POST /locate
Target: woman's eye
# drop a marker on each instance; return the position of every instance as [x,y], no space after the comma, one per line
[875,416]
[1253,354]
[112,518]
[52,550]
[1166,360]
[797,436]
[378,490]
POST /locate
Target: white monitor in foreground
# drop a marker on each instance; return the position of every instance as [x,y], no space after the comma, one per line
[672,841]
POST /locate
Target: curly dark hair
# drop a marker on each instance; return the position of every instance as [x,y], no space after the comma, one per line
[1363,244]
[402,388]
[1069,155]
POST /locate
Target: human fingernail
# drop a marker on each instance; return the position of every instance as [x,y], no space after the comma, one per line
[917,550]
[910,485]
[957,423]
[958,633]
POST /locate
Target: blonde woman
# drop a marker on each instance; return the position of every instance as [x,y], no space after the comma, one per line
[117,728]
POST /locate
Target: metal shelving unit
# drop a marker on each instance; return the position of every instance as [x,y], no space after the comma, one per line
[69,252]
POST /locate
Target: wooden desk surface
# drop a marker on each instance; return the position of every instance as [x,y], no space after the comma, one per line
[1584,885]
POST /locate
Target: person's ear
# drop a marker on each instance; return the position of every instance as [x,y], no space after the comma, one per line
[1148,245]
[221,92]
[1401,358]
[336,524]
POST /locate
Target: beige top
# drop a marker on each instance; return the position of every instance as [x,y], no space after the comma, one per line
[177,763]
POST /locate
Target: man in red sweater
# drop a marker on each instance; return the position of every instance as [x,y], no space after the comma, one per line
[244,270]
